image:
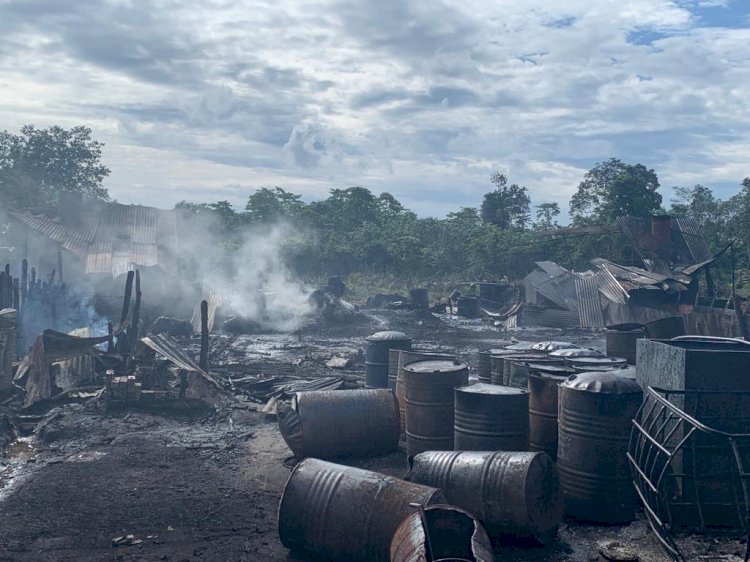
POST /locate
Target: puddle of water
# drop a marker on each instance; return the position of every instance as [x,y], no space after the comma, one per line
[21,450]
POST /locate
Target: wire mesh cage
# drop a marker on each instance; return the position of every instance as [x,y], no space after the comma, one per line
[688,454]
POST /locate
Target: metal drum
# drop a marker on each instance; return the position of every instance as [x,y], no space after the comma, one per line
[665,328]
[621,341]
[580,352]
[497,363]
[489,417]
[441,533]
[518,371]
[543,382]
[328,424]
[550,346]
[485,365]
[595,413]
[468,307]
[429,403]
[420,299]
[589,364]
[342,514]
[404,358]
[511,493]
[376,356]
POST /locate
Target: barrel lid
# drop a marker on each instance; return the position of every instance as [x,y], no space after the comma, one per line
[436,366]
[536,357]
[553,345]
[604,382]
[576,352]
[484,388]
[388,335]
[625,328]
[551,369]
[595,362]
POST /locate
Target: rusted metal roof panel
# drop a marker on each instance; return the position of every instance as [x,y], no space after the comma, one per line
[690,232]
[589,303]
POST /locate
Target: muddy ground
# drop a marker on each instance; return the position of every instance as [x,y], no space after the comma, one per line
[97,485]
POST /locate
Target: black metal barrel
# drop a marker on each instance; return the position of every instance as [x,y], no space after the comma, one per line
[341,514]
[517,372]
[404,358]
[329,424]
[595,413]
[376,356]
[468,307]
[543,382]
[498,363]
[511,493]
[429,401]
[621,341]
[489,417]
[485,367]
[420,298]
[665,328]
[441,533]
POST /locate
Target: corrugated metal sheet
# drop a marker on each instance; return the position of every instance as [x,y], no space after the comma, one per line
[610,288]
[551,268]
[691,234]
[589,303]
[550,317]
[545,286]
[166,346]
[114,238]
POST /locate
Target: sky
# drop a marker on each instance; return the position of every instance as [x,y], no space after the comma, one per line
[207,100]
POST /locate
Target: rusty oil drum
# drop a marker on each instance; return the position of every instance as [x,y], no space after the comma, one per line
[517,371]
[340,513]
[484,373]
[489,417]
[511,493]
[404,358]
[377,356]
[595,413]
[621,341]
[441,532]
[543,382]
[430,402]
[497,363]
[329,424]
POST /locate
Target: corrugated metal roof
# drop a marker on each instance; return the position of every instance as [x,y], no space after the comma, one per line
[551,268]
[589,303]
[610,288]
[545,286]
[550,317]
[166,346]
[693,238]
[114,238]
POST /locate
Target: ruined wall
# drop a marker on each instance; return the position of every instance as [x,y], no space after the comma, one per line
[7,347]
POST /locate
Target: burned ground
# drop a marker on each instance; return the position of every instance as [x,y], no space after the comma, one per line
[206,486]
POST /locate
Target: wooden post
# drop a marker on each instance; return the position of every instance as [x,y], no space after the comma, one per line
[126,298]
[59,266]
[111,338]
[16,295]
[204,336]
[133,331]
[24,282]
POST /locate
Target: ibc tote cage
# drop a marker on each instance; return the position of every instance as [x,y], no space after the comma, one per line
[690,470]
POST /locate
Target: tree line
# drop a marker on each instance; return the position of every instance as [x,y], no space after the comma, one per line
[355,230]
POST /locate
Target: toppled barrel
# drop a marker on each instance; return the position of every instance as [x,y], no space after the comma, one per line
[594,422]
[621,340]
[489,417]
[403,358]
[543,382]
[441,532]
[376,356]
[329,424]
[577,352]
[341,514]
[511,493]
[430,402]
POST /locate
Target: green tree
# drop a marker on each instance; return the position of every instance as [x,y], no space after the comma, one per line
[268,205]
[545,216]
[36,165]
[507,206]
[613,189]
[699,203]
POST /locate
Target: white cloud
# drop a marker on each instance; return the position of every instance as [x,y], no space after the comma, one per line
[212,98]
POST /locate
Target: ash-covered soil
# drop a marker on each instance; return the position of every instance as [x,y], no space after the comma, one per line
[97,486]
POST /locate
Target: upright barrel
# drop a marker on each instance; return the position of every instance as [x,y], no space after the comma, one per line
[420,298]
[595,413]
[340,513]
[376,356]
[328,424]
[430,402]
[404,358]
[512,493]
[468,307]
[543,381]
[590,364]
[489,417]
[497,363]
[485,367]
[665,328]
[621,341]
[441,532]
[517,372]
